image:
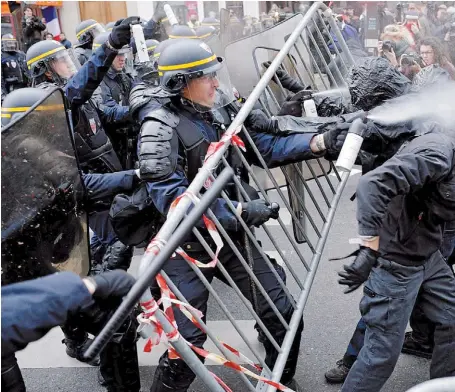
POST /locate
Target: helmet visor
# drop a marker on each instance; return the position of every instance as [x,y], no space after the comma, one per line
[210,88]
[96,30]
[63,65]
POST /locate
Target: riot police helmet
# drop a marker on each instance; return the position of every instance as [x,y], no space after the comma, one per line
[191,69]
[160,49]
[182,31]
[102,38]
[9,43]
[87,30]
[205,32]
[50,61]
[151,45]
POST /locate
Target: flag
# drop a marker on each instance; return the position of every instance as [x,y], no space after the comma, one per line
[52,23]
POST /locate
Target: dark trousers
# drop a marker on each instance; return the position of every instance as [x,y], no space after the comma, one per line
[175,375]
[422,327]
[389,297]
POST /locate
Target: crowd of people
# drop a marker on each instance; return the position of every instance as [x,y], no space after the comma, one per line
[141,131]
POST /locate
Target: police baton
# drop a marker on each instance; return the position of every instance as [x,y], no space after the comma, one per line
[144,281]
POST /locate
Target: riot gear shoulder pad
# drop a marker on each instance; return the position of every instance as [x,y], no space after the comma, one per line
[165,116]
[141,95]
[159,150]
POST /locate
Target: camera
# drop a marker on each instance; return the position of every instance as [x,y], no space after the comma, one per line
[410,59]
[388,45]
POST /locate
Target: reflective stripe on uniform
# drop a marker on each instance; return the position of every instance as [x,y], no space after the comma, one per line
[187,65]
[29,62]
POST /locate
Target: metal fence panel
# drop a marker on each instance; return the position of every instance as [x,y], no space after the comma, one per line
[307,190]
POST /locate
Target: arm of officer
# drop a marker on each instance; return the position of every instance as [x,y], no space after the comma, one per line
[100,186]
[30,309]
[164,192]
[82,85]
[110,111]
[282,150]
[421,162]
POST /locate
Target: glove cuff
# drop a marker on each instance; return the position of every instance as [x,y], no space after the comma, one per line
[111,45]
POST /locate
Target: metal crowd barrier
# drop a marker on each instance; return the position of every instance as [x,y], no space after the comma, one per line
[307,190]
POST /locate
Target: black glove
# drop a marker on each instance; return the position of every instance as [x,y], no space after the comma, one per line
[335,138]
[288,82]
[257,212]
[259,122]
[357,273]
[112,284]
[121,33]
[293,106]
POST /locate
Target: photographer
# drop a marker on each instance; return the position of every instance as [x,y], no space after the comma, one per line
[432,52]
[32,28]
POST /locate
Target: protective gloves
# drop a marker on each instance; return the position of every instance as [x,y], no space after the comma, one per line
[112,284]
[334,139]
[357,273]
[293,106]
[257,212]
[287,81]
[121,33]
[259,122]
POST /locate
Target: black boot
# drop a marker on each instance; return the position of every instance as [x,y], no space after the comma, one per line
[294,385]
[172,375]
[338,374]
[416,347]
[76,349]
[119,365]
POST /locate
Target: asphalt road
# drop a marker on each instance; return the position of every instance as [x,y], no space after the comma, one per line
[330,318]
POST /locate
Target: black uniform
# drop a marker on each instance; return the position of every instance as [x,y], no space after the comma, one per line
[407,202]
[182,136]
[14,71]
[115,91]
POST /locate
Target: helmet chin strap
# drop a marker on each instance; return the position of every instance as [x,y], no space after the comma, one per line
[198,107]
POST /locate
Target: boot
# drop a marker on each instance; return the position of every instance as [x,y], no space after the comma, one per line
[119,366]
[172,375]
[101,379]
[338,374]
[294,385]
[415,347]
[76,349]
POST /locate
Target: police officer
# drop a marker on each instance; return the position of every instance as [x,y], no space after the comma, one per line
[173,142]
[14,67]
[49,228]
[115,90]
[86,31]
[51,64]
[402,209]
